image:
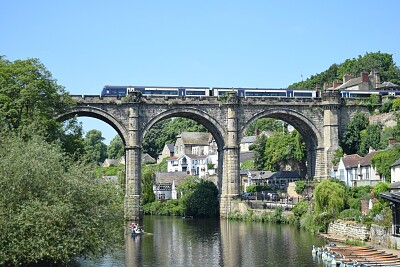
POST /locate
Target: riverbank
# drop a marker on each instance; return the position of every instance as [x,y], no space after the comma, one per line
[341,240]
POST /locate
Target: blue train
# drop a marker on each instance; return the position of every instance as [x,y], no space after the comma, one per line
[120,91]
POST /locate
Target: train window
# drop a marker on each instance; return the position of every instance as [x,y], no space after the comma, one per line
[297,94]
[195,92]
[265,93]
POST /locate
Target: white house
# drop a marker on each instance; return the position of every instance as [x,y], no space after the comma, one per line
[165,184]
[395,172]
[355,170]
[189,163]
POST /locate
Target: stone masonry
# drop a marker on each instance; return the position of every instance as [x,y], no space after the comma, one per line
[318,120]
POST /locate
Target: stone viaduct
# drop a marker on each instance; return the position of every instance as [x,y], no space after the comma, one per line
[318,120]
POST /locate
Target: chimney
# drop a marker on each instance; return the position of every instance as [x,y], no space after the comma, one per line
[377,79]
[364,77]
[347,77]
[336,84]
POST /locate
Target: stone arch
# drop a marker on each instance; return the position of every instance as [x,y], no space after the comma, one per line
[311,135]
[214,127]
[96,113]
[199,116]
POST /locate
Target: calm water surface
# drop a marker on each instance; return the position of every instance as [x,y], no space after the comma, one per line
[204,242]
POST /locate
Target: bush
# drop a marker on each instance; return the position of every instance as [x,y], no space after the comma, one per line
[52,209]
[350,214]
[300,209]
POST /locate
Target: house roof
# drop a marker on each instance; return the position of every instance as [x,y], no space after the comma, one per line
[147,158]
[286,174]
[170,147]
[195,138]
[350,83]
[108,162]
[248,139]
[366,160]
[388,85]
[396,163]
[168,177]
[190,156]
[351,161]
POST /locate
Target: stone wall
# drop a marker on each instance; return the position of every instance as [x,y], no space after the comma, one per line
[349,229]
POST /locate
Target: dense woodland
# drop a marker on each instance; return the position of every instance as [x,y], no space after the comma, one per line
[55,205]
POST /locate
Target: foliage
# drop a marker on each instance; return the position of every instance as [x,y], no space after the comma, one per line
[116,148]
[337,156]
[264,124]
[323,219]
[300,209]
[396,104]
[148,179]
[350,214]
[381,62]
[256,188]
[278,215]
[351,139]
[173,207]
[166,132]
[95,149]
[382,161]
[199,197]
[388,105]
[52,209]
[370,137]
[259,151]
[329,197]
[280,149]
[29,100]
[247,165]
[300,186]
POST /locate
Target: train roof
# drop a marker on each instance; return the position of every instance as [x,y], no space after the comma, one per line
[145,86]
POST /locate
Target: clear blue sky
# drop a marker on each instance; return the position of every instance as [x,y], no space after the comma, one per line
[87,44]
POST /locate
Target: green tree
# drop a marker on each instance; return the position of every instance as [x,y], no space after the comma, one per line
[281,149]
[148,178]
[264,124]
[370,137]
[337,156]
[380,62]
[51,208]
[30,98]
[329,196]
[95,149]
[259,150]
[116,149]
[351,139]
[199,197]
[382,161]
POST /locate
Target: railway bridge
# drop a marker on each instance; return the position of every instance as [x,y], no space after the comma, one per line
[318,120]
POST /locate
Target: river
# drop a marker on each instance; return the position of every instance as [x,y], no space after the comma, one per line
[176,242]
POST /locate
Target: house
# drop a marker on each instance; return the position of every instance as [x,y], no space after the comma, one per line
[111,162]
[165,184]
[394,198]
[192,143]
[167,152]
[256,178]
[280,180]
[189,163]
[364,82]
[246,142]
[147,159]
[355,170]
[395,172]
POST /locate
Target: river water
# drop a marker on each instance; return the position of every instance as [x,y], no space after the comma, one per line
[176,242]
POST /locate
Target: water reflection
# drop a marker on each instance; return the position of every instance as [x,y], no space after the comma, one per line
[176,242]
